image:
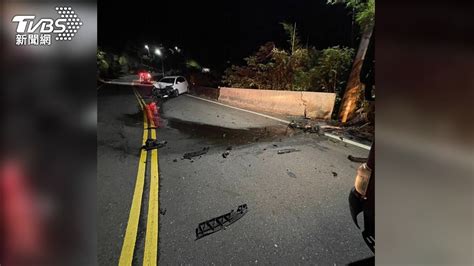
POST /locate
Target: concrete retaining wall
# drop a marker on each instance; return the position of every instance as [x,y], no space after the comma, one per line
[293,103]
[206,92]
[315,104]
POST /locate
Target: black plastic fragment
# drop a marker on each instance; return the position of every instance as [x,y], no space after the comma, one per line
[225,154]
[190,155]
[357,159]
[151,144]
[216,224]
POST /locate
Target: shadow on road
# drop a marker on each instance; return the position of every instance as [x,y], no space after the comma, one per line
[230,136]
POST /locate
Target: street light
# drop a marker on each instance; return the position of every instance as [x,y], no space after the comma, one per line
[158,53]
[148,49]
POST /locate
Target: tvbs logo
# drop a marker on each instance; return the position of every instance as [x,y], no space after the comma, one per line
[33,31]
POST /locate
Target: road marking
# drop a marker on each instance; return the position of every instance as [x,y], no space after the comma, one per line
[151,240]
[128,247]
[348,141]
[150,256]
[240,109]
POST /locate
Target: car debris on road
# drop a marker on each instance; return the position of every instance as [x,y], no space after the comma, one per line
[151,144]
[190,155]
[283,151]
[162,211]
[307,126]
[216,224]
[357,159]
[225,154]
[290,174]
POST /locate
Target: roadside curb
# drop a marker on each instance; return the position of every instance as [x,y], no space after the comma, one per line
[329,135]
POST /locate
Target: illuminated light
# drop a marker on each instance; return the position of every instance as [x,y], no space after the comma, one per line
[206,70]
[158,52]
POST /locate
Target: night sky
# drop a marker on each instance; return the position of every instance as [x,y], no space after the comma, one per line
[213,32]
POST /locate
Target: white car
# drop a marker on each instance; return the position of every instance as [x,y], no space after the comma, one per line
[174,85]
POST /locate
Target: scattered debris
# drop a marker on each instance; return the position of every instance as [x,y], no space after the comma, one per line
[225,154]
[283,151]
[276,245]
[307,126]
[162,212]
[215,224]
[357,159]
[293,124]
[175,160]
[334,174]
[229,148]
[274,145]
[290,174]
[153,144]
[190,155]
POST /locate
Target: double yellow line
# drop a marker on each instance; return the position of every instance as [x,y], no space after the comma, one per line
[150,256]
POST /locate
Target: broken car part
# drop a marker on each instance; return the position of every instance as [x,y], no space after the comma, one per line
[225,154]
[283,151]
[357,159]
[190,155]
[151,144]
[215,224]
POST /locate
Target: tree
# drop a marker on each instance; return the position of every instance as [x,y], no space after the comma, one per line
[294,39]
[299,69]
[331,69]
[102,65]
[365,18]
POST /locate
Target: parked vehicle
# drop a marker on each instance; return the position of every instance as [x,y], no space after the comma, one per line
[171,86]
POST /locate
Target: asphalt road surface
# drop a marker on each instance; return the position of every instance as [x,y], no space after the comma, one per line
[297,202]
